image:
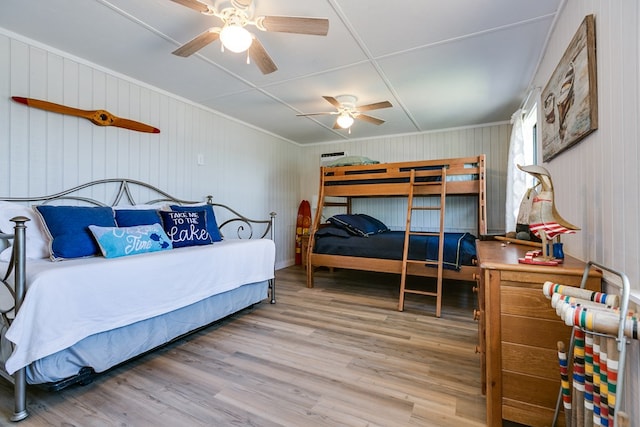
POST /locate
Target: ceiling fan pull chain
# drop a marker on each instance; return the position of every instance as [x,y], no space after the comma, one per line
[248,58]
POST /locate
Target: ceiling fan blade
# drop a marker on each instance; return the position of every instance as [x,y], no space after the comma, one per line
[259,55]
[193,4]
[375,106]
[369,119]
[200,41]
[291,24]
[333,101]
[318,114]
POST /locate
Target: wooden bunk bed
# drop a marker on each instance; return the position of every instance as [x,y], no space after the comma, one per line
[465,177]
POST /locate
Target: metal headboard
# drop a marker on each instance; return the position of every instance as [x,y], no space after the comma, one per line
[245,228]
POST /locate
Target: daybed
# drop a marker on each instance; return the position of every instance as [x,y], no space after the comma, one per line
[83,315]
[357,249]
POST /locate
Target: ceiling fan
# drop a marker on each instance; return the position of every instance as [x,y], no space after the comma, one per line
[347,111]
[235,37]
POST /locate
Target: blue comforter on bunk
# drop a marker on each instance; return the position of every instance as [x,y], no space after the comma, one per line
[459,248]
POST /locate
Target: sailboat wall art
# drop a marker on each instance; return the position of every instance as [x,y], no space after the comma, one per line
[570,98]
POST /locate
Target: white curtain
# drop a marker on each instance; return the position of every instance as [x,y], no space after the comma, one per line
[516,185]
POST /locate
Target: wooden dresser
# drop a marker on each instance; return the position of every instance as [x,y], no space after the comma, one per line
[519,331]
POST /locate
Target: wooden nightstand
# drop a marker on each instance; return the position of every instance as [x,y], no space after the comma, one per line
[519,331]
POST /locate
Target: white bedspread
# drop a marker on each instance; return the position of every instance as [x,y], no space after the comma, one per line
[69,300]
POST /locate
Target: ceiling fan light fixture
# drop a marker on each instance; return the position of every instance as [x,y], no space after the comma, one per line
[344,120]
[235,38]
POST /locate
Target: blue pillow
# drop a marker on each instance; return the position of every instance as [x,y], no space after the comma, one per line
[380,226]
[121,241]
[332,230]
[186,228]
[133,217]
[67,228]
[212,224]
[357,225]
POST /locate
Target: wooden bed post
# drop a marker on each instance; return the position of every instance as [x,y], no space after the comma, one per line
[314,227]
[482,197]
[19,262]
[272,282]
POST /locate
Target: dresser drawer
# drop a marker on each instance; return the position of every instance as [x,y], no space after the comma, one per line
[530,361]
[534,332]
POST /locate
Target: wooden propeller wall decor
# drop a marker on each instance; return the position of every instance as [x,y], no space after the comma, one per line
[235,18]
[97,117]
[347,111]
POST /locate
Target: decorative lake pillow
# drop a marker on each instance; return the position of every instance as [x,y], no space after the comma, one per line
[186,228]
[132,217]
[212,224]
[68,229]
[122,241]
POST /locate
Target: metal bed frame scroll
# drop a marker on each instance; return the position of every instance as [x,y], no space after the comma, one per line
[245,228]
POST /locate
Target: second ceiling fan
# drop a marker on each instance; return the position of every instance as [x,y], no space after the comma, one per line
[236,38]
[347,111]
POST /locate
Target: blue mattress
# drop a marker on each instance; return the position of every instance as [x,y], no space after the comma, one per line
[459,248]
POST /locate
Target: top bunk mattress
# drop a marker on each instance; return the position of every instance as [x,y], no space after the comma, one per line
[464,175]
[70,300]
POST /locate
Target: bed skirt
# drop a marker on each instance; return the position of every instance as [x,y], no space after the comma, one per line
[107,349]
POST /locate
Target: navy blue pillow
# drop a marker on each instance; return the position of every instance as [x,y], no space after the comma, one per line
[68,229]
[332,230]
[375,223]
[212,224]
[186,228]
[357,225]
[133,217]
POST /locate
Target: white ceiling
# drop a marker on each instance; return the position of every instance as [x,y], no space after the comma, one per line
[442,64]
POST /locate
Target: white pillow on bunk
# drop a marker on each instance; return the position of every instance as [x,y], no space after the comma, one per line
[37,243]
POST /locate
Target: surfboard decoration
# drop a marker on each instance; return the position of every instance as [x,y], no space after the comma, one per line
[97,117]
[303,223]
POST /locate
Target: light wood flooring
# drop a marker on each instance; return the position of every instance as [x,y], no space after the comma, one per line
[339,354]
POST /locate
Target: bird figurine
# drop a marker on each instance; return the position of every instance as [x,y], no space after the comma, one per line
[544,220]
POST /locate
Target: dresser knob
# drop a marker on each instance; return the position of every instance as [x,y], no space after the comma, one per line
[478,349]
[475,289]
[476,314]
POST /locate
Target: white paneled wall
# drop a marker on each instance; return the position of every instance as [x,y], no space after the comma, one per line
[43,152]
[597,182]
[491,140]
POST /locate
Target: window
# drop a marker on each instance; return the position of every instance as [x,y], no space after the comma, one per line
[530,139]
[522,151]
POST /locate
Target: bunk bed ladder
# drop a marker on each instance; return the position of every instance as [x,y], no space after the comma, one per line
[442,183]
